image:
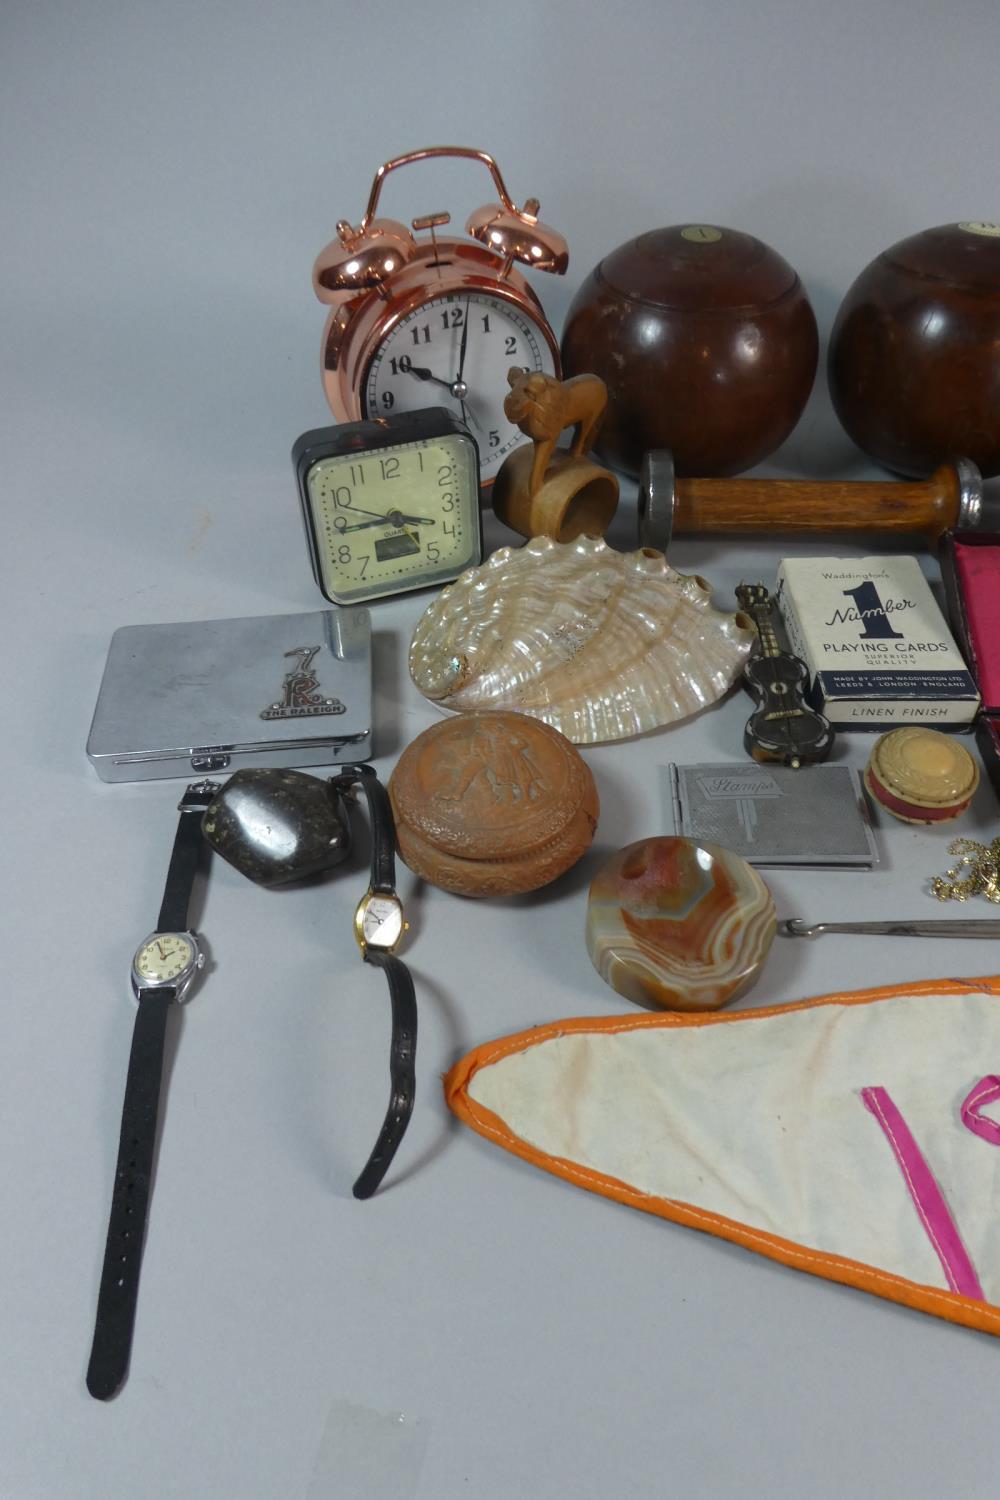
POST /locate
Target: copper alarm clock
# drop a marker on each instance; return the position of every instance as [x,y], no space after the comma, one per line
[437,320]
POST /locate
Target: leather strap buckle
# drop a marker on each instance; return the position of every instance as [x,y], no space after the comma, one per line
[197,795]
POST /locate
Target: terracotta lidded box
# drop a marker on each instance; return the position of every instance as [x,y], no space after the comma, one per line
[492,804]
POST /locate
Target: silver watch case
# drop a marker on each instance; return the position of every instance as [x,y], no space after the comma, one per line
[181,982]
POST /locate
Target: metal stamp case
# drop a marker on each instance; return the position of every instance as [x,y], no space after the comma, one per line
[215,695]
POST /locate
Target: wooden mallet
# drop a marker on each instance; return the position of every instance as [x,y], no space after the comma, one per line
[952,496]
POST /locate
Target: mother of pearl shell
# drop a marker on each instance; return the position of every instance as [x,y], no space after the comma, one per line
[678,925]
[600,644]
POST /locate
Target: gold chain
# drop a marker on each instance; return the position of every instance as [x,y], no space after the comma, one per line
[975,873]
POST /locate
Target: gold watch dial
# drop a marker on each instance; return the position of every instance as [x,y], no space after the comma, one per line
[164,957]
[395,518]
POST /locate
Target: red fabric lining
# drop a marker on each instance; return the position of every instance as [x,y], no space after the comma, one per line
[979,574]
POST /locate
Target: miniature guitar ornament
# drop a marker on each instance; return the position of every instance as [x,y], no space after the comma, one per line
[783,728]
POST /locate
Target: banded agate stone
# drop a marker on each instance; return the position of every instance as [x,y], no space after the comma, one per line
[677,925]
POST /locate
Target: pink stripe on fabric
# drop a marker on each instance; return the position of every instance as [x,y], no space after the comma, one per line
[986,1091]
[926,1195]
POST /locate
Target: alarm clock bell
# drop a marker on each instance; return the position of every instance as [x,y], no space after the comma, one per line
[516,234]
[359,259]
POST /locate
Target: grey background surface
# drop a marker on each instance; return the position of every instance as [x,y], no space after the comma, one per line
[167,174]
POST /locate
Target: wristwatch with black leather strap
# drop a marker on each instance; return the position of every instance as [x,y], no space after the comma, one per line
[378,927]
[163,969]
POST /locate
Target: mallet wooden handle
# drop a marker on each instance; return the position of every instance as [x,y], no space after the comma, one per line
[787,506]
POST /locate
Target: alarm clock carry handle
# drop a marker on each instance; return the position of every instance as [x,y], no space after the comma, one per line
[512,233]
[423,155]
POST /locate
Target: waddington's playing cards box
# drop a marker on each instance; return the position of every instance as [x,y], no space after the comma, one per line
[876,644]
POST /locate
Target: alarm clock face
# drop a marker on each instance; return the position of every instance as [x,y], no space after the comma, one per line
[388,519]
[455,351]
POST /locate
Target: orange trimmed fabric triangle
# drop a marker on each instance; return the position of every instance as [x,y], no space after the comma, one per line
[854,1136]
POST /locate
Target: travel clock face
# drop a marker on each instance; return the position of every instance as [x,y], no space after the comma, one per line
[395,518]
[455,352]
[164,957]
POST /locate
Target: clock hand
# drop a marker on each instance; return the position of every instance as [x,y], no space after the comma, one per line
[389,518]
[381,518]
[460,389]
[362,511]
[456,387]
[424,374]
[464,343]
[399,518]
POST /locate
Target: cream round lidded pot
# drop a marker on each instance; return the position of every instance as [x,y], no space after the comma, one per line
[921,775]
